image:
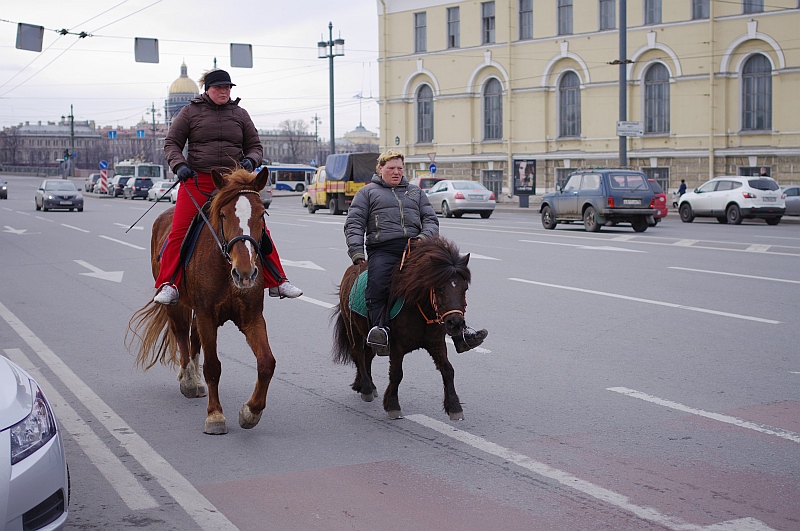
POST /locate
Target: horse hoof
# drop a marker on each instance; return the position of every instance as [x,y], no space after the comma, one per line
[394,415]
[457,416]
[215,425]
[247,419]
[192,390]
[367,397]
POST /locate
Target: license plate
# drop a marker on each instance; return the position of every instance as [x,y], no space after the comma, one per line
[770,199]
[476,197]
[65,202]
[631,201]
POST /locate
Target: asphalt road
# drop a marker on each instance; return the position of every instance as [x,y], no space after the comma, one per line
[629,381]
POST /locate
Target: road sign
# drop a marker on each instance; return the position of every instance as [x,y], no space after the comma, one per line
[103,164]
[630,128]
[112,135]
[140,133]
[432,167]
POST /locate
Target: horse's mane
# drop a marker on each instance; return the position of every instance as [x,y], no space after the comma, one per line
[431,263]
[235,183]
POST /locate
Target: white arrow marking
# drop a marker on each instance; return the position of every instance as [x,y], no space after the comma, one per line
[125,226]
[303,264]
[481,257]
[14,231]
[114,276]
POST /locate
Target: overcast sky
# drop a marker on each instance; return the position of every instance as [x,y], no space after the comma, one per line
[100,78]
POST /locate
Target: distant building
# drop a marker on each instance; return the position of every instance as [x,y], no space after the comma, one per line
[43,145]
[181,93]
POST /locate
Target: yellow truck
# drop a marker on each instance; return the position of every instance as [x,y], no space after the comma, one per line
[335,184]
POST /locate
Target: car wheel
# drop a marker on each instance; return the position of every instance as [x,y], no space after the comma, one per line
[734,214]
[44,207]
[446,212]
[722,219]
[80,209]
[687,216]
[333,207]
[485,215]
[36,204]
[590,220]
[639,224]
[303,201]
[311,207]
[773,221]
[548,220]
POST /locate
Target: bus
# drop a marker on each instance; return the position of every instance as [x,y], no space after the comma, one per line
[132,168]
[290,177]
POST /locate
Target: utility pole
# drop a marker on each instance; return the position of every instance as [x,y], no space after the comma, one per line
[71,141]
[153,111]
[623,79]
[328,50]
[316,121]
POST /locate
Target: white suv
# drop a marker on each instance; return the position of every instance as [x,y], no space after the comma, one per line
[731,199]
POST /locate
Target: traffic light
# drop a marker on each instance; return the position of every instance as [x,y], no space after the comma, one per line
[66,155]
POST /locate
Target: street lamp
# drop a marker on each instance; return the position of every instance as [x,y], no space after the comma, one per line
[328,50]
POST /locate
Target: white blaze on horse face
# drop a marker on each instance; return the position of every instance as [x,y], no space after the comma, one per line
[243,212]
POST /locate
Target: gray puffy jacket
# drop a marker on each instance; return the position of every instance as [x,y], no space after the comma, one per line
[380,213]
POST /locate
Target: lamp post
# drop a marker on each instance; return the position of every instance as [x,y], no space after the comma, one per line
[328,50]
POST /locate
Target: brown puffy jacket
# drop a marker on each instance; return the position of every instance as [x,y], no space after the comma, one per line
[219,136]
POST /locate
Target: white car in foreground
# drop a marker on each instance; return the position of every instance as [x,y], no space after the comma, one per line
[732,199]
[34,482]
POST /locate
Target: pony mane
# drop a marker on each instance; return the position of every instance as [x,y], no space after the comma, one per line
[430,264]
[235,183]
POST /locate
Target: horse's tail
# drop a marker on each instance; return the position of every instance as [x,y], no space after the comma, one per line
[342,352]
[150,325]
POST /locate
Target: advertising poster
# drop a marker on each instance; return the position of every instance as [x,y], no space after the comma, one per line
[524,177]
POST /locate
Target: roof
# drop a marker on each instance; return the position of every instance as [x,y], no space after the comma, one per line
[183,85]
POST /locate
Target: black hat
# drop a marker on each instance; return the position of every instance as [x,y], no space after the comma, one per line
[217,77]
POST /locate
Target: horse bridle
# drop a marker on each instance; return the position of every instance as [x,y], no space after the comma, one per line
[439,319]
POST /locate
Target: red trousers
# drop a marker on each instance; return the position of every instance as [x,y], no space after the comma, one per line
[184,213]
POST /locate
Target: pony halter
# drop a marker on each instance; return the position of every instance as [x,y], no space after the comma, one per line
[438,319]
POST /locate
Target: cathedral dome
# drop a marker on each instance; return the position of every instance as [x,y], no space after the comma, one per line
[183,85]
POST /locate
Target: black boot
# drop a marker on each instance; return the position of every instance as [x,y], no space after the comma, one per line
[378,336]
[469,339]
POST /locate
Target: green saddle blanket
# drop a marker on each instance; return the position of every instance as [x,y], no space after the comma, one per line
[358,301]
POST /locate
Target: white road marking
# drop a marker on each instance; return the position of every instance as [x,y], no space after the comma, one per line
[119,477]
[303,264]
[44,219]
[734,274]
[12,230]
[74,228]
[96,272]
[482,257]
[648,301]
[595,491]
[758,248]
[23,213]
[184,493]
[763,428]
[685,243]
[125,226]
[589,247]
[123,243]
[624,237]
[325,222]
[317,302]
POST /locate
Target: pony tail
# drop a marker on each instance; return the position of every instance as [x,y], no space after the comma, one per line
[341,342]
[156,342]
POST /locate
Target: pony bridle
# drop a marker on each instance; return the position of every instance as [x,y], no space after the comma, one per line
[438,319]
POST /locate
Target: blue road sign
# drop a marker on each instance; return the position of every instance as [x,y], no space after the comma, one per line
[432,167]
[140,133]
[112,135]
[103,164]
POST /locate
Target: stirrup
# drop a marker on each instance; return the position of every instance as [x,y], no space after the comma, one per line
[378,340]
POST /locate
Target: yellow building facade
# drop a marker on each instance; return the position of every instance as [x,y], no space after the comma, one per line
[487,88]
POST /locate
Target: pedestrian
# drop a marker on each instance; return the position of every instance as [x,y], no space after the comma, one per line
[385,214]
[763,172]
[222,137]
[682,188]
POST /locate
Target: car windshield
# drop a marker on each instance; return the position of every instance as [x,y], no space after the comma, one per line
[427,183]
[621,181]
[466,185]
[60,186]
[763,184]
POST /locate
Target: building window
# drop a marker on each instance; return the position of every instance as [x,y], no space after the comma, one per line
[493,110]
[608,14]
[487,13]
[425,114]
[753,6]
[700,9]
[565,17]
[493,181]
[525,19]
[569,105]
[652,11]
[656,99]
[453,27]
[757,94]
[420,30]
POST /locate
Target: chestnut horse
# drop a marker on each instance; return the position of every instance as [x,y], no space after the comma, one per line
[222,282]
[432,280]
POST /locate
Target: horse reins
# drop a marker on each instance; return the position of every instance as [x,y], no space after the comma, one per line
[439,319]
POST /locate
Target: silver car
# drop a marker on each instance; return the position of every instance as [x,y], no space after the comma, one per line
[456,198]
[792,200]
[34,481]
[58,194]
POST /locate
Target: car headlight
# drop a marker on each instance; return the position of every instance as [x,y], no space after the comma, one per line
[33,431]
[79,196]
[50,197]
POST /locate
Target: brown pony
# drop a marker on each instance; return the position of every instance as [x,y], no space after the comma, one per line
[432,280]
[222,282]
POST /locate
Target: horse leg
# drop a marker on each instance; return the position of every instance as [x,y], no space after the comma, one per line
[363,383]
[256,334]
[391,403]
[191,383]
[212,370]
[452,404]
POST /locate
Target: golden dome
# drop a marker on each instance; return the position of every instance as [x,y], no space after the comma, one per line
[183,85]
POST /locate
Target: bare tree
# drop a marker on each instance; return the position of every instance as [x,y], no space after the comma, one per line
[294,131]
[10,142]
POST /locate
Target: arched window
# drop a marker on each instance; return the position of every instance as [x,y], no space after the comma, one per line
[656,99]
[493,110]
[569,105]
[424,114]
[757,94]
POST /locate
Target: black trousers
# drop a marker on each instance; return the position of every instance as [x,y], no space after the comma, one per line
[381,259]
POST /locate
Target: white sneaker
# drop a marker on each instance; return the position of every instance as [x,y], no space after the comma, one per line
[285,291]
[168,294]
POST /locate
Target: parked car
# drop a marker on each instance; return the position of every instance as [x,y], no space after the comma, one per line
[660,203]
[158,190]
[601,197]
[34,480]
[266,196]
[137,187]
[55,194]
[117,184]
[456,198]
[3,190]
[426,183]
[792,200]
[88,186]
[731,199]
[173,195]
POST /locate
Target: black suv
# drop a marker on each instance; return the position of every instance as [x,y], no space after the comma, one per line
[137,187]
[601,197]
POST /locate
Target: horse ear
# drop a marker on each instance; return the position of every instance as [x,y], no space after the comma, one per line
[466,259]
[261,179]
[219,180]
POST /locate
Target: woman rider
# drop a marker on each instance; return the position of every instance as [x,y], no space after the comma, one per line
[221,136]
[404,212]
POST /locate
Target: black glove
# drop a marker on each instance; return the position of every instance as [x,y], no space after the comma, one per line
[184,173]
[247,164]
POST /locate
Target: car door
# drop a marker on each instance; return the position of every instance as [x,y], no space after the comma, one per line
[721,195]
[568,197]
[703,197]
[436,196]
[792,200]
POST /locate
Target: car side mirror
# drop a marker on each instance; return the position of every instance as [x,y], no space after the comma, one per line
[558,188]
